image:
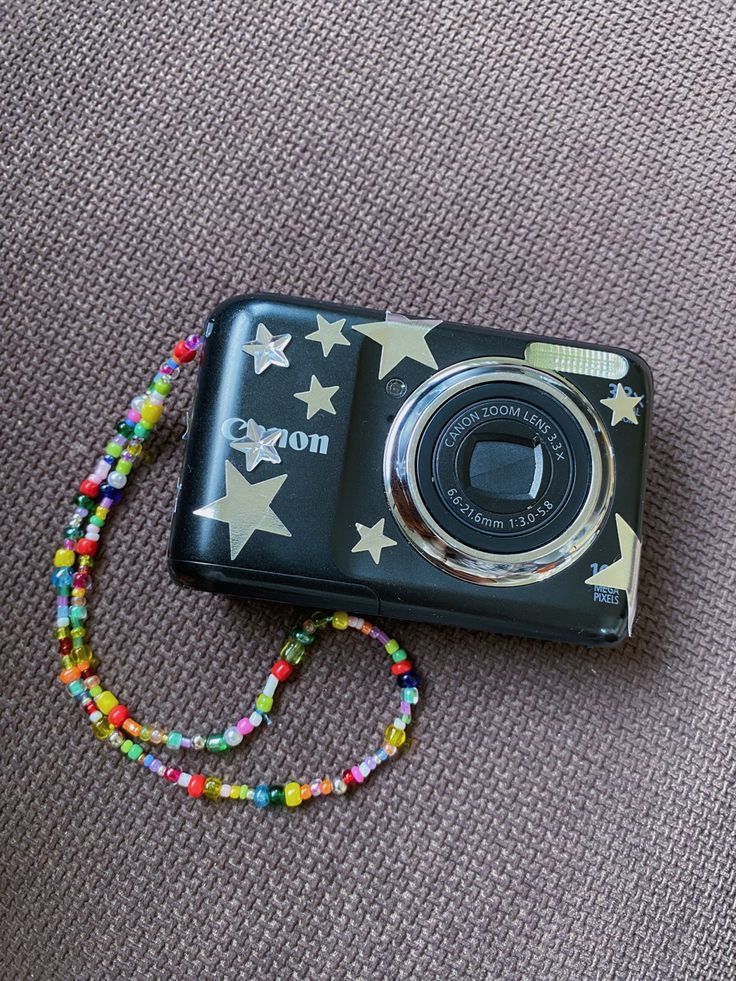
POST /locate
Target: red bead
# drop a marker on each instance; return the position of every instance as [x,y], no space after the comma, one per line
[401,667]
[89,487]
[196,785]
[117,715]
[87,673]
[90,707]
[348,778]
[281,669]
[87,546]
[182,353]
[170,773]
[65,646]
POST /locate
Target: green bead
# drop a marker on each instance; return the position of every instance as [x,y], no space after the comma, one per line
[124,428]
[141,430]
[161,386]
[264,703]
[174,740]
[135,752]
[125,745]
[98,522]
[113,449]
[124,466]
[215,743]
[399,655]
[276,794]
[212,787]
[71,531]
[303,637]
[83,501]
[293,651]
[243,788]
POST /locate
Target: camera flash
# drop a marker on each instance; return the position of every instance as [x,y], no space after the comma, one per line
[576,360]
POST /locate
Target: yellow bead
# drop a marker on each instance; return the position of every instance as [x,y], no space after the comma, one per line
[101,729]
[340,620]
[63,558]
[394,736]
[106,701]
[392,647]
[78,592]
[235,792]
[151,413]
[292,794]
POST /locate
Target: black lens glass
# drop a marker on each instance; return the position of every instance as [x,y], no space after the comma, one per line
[505,469]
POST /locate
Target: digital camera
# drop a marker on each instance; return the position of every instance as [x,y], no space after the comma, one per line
[342,457]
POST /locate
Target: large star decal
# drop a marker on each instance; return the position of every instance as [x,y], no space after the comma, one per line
[267,349]
[624,572]
[622,406]
[372,539]
[246,508]
[400,338]
[328,335]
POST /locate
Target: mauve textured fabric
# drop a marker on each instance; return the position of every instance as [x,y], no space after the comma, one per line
[550,165]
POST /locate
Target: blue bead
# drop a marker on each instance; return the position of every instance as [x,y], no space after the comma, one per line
[110,459]
[62,578]
[107,490]
[262,795]
[408,680]
[150,759]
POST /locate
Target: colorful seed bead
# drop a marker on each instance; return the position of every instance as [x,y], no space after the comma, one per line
[113,722]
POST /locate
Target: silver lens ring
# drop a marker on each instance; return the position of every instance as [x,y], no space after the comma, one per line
[432,541]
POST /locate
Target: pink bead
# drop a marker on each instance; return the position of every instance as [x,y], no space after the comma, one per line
[133,416]
[171,773]
[355,770]
[406,708]
[316,788]
[245,726]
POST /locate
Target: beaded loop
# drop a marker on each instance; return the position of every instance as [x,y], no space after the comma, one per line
[112,722]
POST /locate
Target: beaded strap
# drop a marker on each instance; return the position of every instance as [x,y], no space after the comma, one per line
[112,722]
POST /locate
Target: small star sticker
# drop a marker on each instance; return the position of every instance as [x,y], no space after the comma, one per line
[246,508]
[622,406]
[267,349]
[259,444]
[318,398]
[624,572]
[372,539]
[400,338]
[328,335]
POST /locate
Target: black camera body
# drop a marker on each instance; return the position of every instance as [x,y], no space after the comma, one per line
[340,457]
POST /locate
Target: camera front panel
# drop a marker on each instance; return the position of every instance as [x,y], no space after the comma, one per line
[522,470]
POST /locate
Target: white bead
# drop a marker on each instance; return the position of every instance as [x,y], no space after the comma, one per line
[271,685]
[225,790]
[117,479]
[184,779]
[232,736]
[255,719]
[138,402]
[364,769]
[339,786]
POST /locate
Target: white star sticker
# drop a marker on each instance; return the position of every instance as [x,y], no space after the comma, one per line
[328,335]
[372,540]
[246,508]
[318,398]
[622,406]
[267,349]
[259,444]
[400,338]
[624,572]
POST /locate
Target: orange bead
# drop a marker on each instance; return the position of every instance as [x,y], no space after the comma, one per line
[69,674]
[132,727]
[366,628]
[305,791]
[326,786]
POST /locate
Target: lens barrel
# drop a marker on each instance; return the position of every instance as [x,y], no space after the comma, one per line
[498,472]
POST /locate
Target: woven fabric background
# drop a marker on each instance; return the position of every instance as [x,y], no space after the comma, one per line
[546,165]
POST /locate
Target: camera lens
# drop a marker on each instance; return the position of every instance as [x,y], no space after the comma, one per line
[497,471]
